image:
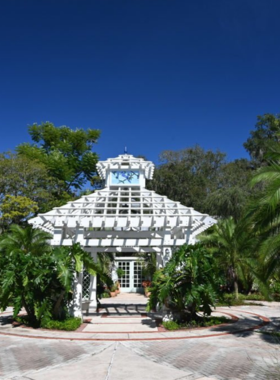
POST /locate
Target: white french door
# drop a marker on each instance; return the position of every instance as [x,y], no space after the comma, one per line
[132,279]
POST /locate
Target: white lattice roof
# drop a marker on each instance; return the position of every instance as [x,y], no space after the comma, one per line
[123,207]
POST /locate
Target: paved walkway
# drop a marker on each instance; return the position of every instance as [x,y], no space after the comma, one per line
[234,351]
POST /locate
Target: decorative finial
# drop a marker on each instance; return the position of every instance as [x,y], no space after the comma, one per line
[125,150]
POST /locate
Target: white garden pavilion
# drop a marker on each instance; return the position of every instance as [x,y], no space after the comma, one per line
[124,218]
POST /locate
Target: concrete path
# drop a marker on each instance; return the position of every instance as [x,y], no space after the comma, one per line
[202,354]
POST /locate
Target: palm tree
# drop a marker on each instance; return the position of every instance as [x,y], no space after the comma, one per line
[233,246]
[264,211]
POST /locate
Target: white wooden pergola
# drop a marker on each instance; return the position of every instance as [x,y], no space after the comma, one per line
[123,218]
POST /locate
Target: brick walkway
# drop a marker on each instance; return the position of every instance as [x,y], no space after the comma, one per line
[244,355]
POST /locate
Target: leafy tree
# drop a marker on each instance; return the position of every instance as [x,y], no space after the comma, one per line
[20,176]
[188,175]
[267,130]
[67,154]
[187,284]
[233,192]
[16,209]
[233,246]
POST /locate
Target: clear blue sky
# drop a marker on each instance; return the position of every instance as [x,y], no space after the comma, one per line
[151,74]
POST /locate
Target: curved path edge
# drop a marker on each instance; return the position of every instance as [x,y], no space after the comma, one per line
[240,326]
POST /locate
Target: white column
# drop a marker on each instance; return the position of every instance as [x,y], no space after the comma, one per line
[159,260]
[76,304]
[166,255]
[93,284]
[114,274]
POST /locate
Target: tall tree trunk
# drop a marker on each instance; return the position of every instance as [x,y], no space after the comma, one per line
[236,289]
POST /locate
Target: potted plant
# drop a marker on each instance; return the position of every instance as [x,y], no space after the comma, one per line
[146,284]
[113,289]
[117,284]
[120,273]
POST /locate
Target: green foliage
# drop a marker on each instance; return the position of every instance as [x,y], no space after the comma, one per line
[105,295]
[113,288]
[22,177]
[233,246]
[275,286]
[233,192]
[37,277]
[171,325]
[187,284]
[64,152]
[263,213]
[14,209]
[214,321]
[69,324]
[120,272]
[148,263]
[229,299]
[204,180]
[201,322]
[267,130]
[188,175]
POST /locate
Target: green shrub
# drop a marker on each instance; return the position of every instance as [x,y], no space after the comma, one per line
[69,324]
[187,284]
[171,325]
[105,295]
[203,322]
[229,299]
[255,297]
[113,288]
[120,272]
[215,321]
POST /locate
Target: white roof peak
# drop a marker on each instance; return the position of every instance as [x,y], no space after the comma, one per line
[126,161]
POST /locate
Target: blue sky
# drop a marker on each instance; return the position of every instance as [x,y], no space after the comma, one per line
[150,74]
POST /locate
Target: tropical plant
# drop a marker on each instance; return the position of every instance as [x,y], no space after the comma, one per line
[264,211]
[234,248]
[187,284]
[120,272]
[37,277]
[148,263]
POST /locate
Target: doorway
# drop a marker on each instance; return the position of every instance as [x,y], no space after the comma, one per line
[131,281]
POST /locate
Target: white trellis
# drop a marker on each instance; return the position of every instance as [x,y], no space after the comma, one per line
[86,292]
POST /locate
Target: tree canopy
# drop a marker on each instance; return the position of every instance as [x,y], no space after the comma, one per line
[188,175]
[267,129]
[66,154]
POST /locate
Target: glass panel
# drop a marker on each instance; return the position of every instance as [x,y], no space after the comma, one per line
[124,280]
[138,278]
